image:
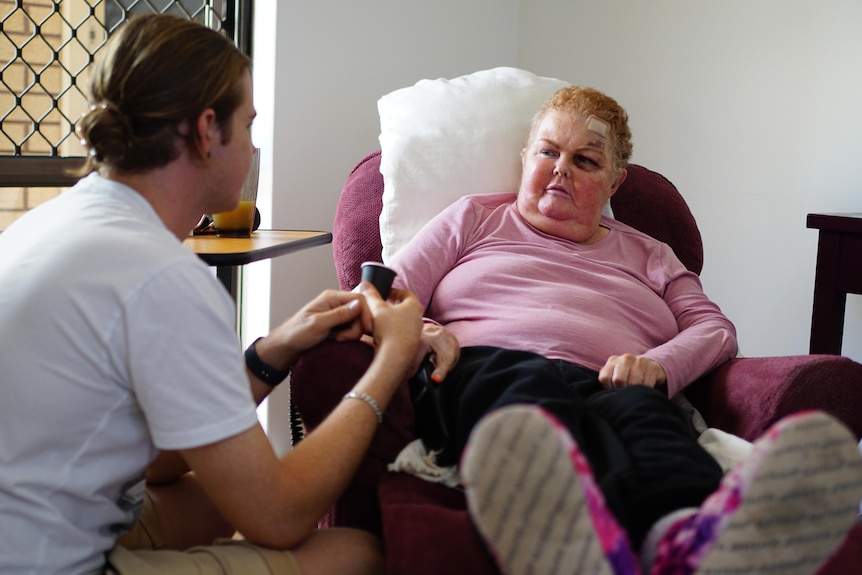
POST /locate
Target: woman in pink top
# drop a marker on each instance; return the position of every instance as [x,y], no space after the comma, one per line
[559,336]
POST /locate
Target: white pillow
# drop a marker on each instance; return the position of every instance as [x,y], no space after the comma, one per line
[443,139]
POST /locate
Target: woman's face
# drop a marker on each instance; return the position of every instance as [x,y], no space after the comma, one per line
[567,177]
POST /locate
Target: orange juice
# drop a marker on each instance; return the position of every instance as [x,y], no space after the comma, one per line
[236,223]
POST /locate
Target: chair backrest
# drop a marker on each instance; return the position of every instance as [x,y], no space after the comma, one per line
[647,201]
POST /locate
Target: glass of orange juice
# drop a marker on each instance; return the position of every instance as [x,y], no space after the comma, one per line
[238,222]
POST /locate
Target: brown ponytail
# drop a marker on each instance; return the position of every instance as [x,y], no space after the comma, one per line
[157,74]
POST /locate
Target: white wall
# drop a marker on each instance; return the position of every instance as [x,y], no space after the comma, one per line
[752,108]
[333,61]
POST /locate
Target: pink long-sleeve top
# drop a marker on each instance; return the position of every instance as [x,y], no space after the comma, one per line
[492,279]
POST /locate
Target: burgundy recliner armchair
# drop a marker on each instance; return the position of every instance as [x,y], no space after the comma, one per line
[425,526]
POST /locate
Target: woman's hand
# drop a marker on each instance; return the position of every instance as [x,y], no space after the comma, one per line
[629,369]
[441,345]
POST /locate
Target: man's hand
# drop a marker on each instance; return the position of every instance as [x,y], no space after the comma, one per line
[395,322]
[342,315]
[629,369]
[338,314]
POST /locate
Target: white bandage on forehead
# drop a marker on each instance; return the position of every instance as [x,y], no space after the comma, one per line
[598,126]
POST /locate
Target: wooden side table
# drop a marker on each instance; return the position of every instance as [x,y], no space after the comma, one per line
[227,254]
[839,272]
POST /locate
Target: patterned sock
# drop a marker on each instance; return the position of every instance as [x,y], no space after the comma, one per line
[533,498]
[666,527]
[785,509]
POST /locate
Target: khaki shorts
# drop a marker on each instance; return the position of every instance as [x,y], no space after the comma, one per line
[140,552]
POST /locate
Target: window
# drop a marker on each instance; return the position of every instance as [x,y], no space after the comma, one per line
[46,49]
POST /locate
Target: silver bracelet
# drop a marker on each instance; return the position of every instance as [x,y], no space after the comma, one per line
[367,399]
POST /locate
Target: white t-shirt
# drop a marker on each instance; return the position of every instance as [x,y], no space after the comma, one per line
[117,341]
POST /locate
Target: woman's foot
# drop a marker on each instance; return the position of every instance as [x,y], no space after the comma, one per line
[533,498]
[785,509]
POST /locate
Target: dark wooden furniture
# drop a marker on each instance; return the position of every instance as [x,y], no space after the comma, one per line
[839,272]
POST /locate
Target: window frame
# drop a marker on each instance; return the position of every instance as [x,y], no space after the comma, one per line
[51,171]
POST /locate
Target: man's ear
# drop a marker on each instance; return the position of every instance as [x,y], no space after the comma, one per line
[619,181]
[207,130]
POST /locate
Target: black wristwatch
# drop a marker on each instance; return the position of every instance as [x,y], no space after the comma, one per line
[262,370]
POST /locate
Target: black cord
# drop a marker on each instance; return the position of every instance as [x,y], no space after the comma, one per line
[297,429]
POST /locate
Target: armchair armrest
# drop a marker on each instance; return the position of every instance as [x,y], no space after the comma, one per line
[318,383]
[747,395]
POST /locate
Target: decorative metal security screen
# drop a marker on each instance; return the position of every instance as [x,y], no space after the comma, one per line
[46,49]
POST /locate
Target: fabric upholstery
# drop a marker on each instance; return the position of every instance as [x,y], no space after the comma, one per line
[318,382]
[649,202]
[747,395]
[358,210]
[426,528]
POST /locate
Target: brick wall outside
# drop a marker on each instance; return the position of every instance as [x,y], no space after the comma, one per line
[51,60]
[45,50]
